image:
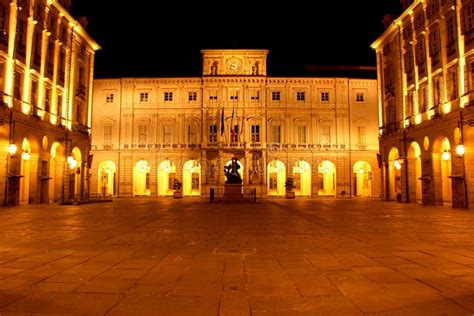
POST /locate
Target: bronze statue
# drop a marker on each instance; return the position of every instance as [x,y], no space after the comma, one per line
[231,172]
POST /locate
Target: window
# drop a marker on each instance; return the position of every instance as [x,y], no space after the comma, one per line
[437,91]
[326,135]
[107,135]
[234,96]
[213,133]
[409,108]
[360,97]
[60,107]
[301,134]
[255,96]
[275,95]
[468,15]
[34,94]
[213,96]
[276,134]
[143,97]
[300,96]
[192,96]
[255,133]
[422,99]
[142,134]
[47,98]
[168,96]
[361,135]
[3,20]
[451,34]
[109,98]
[191,134]
[234,134]
[453,85]
[167,134]
[324,96]
[17,90]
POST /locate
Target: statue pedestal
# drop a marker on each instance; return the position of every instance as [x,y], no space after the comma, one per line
[233,193]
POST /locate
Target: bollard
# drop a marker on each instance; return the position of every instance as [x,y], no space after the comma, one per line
[211,195]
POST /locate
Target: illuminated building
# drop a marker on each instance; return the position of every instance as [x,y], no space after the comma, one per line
[425,61]
[46,76]
[322,132]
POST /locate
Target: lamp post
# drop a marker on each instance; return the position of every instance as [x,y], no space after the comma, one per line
[460,150]
[12,148]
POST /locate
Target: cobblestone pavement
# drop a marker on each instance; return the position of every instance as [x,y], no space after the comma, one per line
[277,257]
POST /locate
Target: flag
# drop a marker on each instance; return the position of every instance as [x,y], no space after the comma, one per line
[232,129]
[222,122]
[243,121]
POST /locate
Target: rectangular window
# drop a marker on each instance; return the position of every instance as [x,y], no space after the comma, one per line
[34,93]
[359,97]
[191,134]
[168,96]
[109,98]
[361,135]
[142,134]
[192,96]
[234,96]
[234,134]
[409,108]
[255,133]
[17,90]
[276,134]
[300,96]
[60,108]
[326,135]
[47,98]
[324,96]
[143,97]
[422,99]
[167,134]
[107,135]
[255,96]
[453,89]
[213,133]
[275,95]
[301,134]
[468,17]
[213,96]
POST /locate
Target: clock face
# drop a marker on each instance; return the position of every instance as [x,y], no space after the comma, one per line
[234,65]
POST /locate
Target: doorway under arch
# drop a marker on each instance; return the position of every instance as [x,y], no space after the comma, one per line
[25,171]
[302,178]
[107,170]
[141,178]
[192,178]
[414,172]
[166,176]
[363,179]
[56,170]
[276,177]
[327,178]
[394,175]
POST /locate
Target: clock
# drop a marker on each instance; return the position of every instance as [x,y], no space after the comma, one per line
[234,65]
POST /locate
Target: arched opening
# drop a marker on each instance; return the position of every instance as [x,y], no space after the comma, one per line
[240,171]
[191,178]
[414,172]
[276,177]
[55,172]
[107,172]
[141,178]
[75,163]
[363,179]
[166,176]
[25,171]
[327,178]
[394,174]
[446,172]
[302,178]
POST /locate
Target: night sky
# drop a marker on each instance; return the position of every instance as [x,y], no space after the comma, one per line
[164,38]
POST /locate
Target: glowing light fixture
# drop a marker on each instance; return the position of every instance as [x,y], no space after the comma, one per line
[361,170]
[397,164]
[12,149]
[460,150]
[446,155]
[72,162]
[25,156]
[446,108]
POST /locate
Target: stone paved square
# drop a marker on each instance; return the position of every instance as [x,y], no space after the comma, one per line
[276,257]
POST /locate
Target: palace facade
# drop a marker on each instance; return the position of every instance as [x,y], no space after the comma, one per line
[321,132]
[46,77]
[425,61]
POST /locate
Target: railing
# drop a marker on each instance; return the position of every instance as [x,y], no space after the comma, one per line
[248,195]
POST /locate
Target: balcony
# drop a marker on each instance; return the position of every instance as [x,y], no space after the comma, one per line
[81,128]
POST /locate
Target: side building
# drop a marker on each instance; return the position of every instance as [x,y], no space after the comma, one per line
[425,61]
[321,132]
[46,77]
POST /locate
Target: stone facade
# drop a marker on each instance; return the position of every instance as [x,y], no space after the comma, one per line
[425,62]
[147,132]
[46,77]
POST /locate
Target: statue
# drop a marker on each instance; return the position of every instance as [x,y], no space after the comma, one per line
[214,68]
[231,172]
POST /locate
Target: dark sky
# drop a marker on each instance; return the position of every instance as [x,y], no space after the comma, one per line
[157,38]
